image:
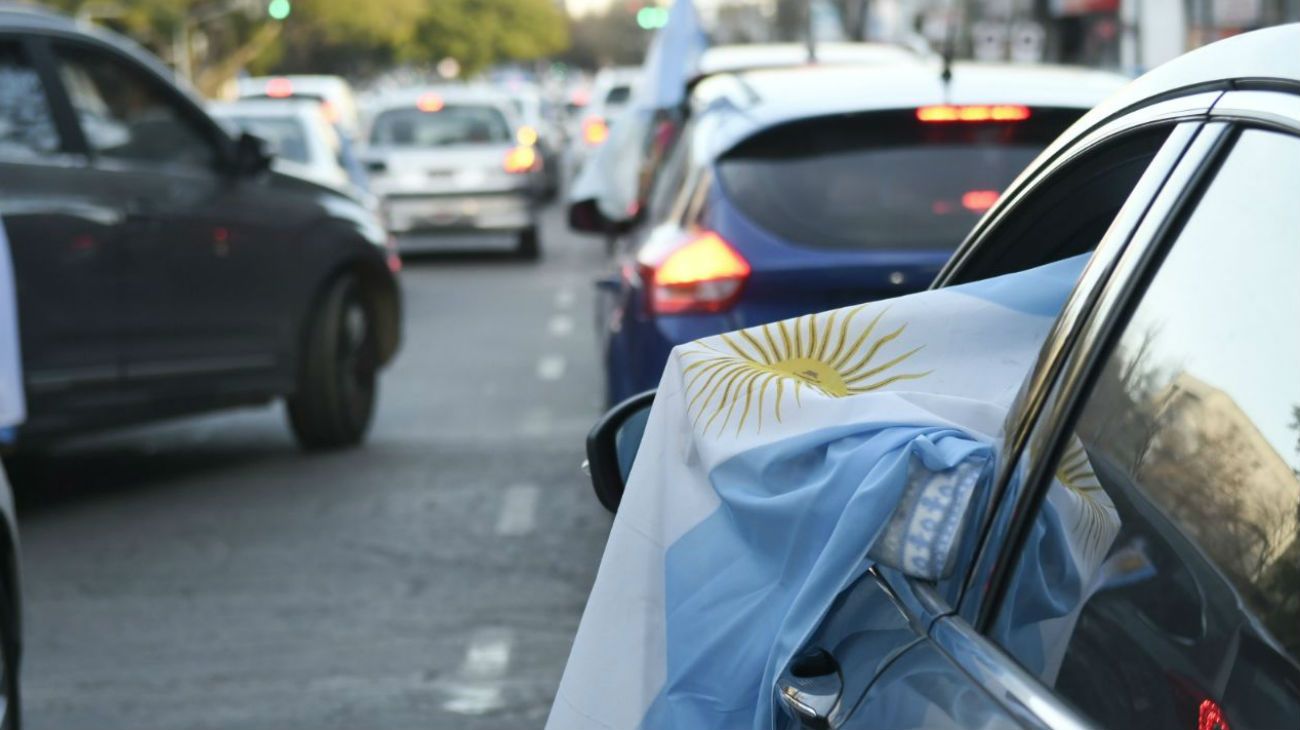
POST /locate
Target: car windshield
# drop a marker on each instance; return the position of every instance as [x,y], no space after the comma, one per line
[447,126]
[287,135]
[883,180]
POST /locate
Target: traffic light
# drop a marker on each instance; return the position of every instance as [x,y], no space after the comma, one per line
[278,9]
[651,17]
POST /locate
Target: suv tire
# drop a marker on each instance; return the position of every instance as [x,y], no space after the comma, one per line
[334,400]
[529,249]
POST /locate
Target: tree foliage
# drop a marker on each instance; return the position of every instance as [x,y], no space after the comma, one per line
[339,36]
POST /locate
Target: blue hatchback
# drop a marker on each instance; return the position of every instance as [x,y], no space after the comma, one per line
[799,190]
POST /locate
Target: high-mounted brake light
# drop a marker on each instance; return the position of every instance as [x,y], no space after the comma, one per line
[279,88]
[526,136]
[704,274]
[429,103]
[521,159]
[973,113]
[594,130]
[978,201]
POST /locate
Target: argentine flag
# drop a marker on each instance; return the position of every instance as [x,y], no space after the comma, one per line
[772,462]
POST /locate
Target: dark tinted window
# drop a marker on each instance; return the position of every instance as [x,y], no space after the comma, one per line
[618,95]
[450,125]
[881,180]
[26,126]
[1160,581]
[128,116]
[286,135]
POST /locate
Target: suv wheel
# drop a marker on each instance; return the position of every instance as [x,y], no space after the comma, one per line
[528,247]
[335,398]
[10,705]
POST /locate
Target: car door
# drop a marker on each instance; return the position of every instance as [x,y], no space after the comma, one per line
[64,240]
[201,256]
[919,668]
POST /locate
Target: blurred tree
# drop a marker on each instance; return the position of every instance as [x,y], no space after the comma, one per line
[340,36]
[611,38]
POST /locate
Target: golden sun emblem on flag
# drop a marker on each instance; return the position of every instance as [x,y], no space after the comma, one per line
[1096,521]
[816,351]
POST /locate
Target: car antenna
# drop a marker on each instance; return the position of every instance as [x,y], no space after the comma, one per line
[949,48]
[811,34]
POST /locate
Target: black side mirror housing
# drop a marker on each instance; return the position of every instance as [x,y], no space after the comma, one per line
[252,154]
[612,445]
[585,217]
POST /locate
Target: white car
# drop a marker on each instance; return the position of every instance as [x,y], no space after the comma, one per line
[333,92]
[304,142]
[611,92]
[451,160]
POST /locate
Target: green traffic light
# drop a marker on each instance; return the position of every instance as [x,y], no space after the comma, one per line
[650,17]
[279,9]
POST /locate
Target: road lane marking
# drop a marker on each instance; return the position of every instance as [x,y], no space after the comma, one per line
[551,367]
[564,297]
[560,325]
[477,689]
[518,513]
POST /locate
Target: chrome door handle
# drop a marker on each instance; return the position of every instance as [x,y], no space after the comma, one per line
[810,690]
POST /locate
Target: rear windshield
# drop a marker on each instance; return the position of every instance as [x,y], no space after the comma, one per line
[286,135]
[450,125]
[882,180]
[618,95]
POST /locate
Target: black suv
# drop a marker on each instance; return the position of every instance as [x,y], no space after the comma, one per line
[163,267]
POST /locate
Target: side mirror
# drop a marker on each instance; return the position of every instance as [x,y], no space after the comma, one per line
[612,446]
[923,535]
[585,217]
[252,154]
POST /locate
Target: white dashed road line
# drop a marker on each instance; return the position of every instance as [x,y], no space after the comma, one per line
[564,297]
[551,367]
[560,325]
[477,687]
[518,513]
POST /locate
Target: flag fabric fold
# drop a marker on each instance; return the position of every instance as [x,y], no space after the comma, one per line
[772,467]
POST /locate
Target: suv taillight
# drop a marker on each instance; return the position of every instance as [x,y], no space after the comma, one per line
[703,274]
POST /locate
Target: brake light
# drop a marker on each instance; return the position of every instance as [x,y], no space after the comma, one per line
[704,274]
[279,88]
[429,103]
[594,130]
[521,159]
[1211,717]
[973,113]
[526,136]
[978,201]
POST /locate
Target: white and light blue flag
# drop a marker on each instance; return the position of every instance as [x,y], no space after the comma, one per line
[772,460]
[610,175]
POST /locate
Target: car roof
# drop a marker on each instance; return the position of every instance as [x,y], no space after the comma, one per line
[743,104]
[1266,57]
[734,58]
[268,108]
[450,93]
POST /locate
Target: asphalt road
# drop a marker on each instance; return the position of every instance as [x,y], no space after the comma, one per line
[205,574]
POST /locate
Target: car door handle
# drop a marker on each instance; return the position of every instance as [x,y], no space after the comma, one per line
[810,690]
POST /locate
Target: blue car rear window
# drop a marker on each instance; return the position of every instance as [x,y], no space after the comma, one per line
[882,180]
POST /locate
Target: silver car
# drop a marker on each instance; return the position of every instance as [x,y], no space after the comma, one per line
[452,160]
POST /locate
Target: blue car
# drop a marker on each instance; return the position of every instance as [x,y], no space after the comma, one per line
[796,190]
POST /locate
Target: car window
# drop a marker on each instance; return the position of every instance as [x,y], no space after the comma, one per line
[26,125]
[287,135]
[1159,583]
[1069,212]
[670,177]
[126,115]
[443,126]
[868,181]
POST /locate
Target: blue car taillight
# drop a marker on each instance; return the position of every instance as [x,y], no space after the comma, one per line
[701,274]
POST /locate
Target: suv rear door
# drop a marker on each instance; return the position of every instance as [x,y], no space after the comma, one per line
[64,238]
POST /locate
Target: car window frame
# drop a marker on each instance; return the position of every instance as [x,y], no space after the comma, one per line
[208,130]
[1123,294]
[71,152]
